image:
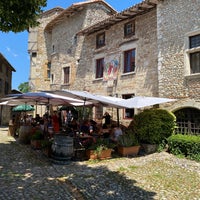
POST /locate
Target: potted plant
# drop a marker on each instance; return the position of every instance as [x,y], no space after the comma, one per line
[36,139]
[100,149]
[152,126]
[128,144]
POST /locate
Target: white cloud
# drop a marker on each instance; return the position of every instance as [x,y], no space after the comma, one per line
[11,52]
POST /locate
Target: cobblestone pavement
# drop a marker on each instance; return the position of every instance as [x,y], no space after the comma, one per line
[26,174]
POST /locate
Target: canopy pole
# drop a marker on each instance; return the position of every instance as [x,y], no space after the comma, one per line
[36,108]
[84,109]
[118,117]
[25,113]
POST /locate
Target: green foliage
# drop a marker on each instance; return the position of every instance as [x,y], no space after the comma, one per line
[101,144]
[24,87]
[152,126]
[84,112]
[46,143]
[38,135]
[128,139]
[187,145]
[18,16]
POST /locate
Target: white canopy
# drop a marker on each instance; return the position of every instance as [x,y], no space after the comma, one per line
[91,98]
[35,98]
[80,98]
[141,101]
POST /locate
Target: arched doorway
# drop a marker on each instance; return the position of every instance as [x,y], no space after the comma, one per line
[188,120]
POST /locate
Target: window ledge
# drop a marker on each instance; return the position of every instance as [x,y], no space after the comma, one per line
[193,50]
[99,49]
[128,73]
[128,40]
[65,84]
[53,53]
[193,76]
[98,79]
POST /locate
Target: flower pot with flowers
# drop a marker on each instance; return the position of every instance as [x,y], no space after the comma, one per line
[100,149]
[128,144]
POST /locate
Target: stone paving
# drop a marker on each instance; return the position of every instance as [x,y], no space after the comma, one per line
[27,174]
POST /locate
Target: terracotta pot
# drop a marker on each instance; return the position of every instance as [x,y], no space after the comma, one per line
[36,144]
[128,151]
[105,154]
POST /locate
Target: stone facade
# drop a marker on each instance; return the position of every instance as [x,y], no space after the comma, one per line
[6,70]
[161,43]
[177,20]
[53,45]
[37,48]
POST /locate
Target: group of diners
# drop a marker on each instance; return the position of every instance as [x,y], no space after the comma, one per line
[83,129]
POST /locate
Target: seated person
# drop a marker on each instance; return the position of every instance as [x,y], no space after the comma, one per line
[85,127]
[117,131]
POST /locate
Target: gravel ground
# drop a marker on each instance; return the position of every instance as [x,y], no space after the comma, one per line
[28,174]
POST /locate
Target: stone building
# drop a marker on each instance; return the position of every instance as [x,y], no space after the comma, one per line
[6,70]
[53,44]
[149,49]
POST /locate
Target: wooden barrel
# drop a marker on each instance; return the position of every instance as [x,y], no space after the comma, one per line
[62,147]
[25,134]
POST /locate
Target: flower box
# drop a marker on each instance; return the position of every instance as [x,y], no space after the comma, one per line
[128,151]
[104,154]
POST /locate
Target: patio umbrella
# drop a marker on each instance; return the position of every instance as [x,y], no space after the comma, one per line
[23,108]
[89,98]
[44,98]
[141,101]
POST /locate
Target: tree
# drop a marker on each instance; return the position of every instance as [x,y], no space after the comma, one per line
[18,16]
[24,87]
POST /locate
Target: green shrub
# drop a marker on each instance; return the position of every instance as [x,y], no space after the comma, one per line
[152,126]
[128,139]
[38,135]
[187,145]
[101,144]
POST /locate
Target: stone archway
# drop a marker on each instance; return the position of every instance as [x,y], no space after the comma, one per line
[188,120]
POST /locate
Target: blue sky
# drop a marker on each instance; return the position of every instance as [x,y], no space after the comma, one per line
[14,45]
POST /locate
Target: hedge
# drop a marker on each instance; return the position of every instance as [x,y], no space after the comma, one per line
[187,145]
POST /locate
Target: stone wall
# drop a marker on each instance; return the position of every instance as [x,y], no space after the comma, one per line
[67,46]
[175,20]
[6,78]
[145,43]
[141,82]
[38,79]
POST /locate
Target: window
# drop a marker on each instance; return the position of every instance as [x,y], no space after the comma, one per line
[7,71]
[129,61]
[194,42]
[34,54]
[52,78]
[48,69]
[99,68]
[1,67]
[53,48]
[6,89]
[129,29]
[1,85]
[100,40]
[128,113]
[66,75]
